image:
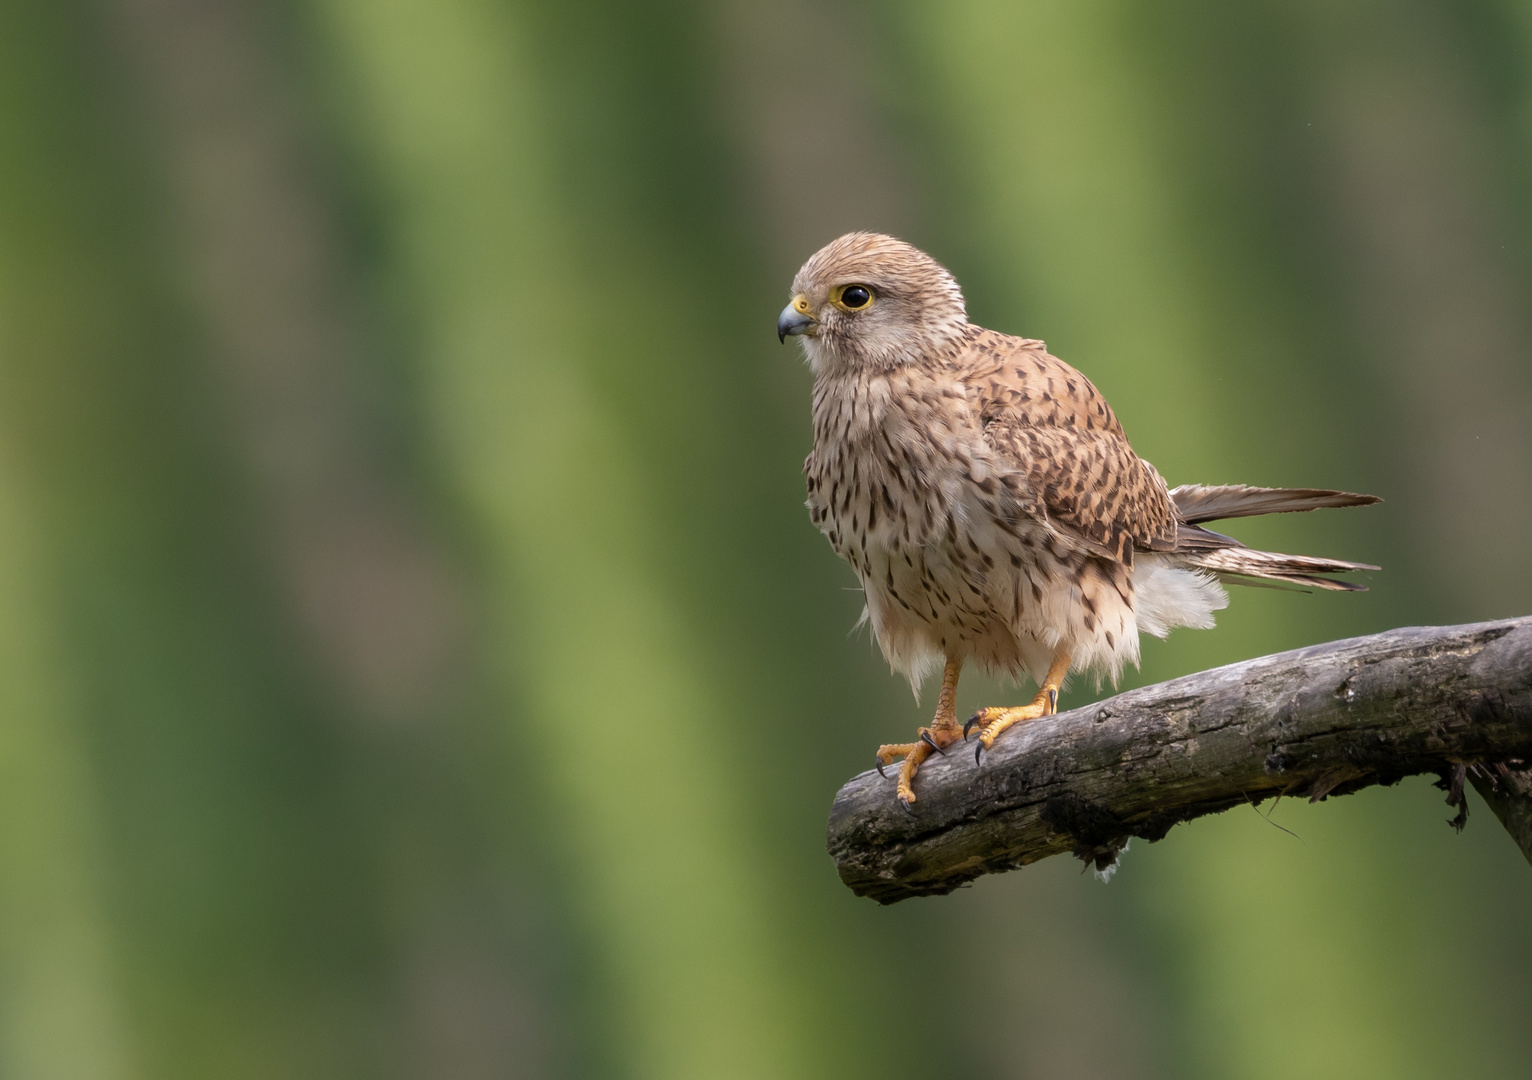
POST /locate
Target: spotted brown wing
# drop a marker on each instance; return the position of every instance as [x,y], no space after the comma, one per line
[1046,420]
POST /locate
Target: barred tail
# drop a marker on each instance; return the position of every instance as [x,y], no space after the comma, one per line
[1199,502]
[1245,566]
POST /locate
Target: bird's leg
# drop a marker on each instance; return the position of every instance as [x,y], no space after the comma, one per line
[943,732]
[995,719]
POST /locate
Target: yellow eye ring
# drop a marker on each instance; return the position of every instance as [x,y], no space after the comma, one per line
[852,297]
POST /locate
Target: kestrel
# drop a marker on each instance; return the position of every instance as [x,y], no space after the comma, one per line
[986,496]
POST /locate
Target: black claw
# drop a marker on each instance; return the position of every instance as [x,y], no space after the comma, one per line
[978,753]
[878,764]
[972,720]
[1053,700]
[905,803]
[925,737]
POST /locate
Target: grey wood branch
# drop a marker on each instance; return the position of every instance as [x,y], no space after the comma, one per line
[1455,701]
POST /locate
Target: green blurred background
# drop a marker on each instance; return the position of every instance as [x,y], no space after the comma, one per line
[416,661]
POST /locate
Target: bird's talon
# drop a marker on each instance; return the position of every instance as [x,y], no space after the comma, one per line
[878,764]
[978,753]
[971,721]
[905,804]
[1053,700]
[925,737]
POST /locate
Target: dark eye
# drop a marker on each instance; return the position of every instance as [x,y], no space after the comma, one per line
[855,296]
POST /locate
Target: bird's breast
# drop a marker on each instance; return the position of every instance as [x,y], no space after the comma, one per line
[890,457]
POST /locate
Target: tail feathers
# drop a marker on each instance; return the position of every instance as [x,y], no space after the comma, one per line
[1199,502]
[1245,566]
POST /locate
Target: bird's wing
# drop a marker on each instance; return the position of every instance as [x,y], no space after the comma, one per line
[1043,418]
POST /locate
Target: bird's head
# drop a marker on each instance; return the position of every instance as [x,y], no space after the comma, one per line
[867,301]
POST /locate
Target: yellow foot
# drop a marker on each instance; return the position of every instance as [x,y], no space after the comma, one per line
[936,738]
[995,719]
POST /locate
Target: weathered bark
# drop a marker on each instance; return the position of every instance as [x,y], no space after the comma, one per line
[1455,701]
[1508,791]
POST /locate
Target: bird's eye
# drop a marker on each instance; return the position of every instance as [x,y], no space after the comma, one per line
[854,297]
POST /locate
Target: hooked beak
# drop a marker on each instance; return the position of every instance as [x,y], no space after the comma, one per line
[795,318]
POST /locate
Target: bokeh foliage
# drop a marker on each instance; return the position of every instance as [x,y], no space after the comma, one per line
[414,656]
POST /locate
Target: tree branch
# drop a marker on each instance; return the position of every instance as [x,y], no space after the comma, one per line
[1455,701]
[1508,791]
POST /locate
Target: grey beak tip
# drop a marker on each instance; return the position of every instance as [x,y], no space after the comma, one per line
[792,323]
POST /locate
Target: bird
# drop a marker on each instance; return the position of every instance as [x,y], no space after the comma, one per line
[988,499]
